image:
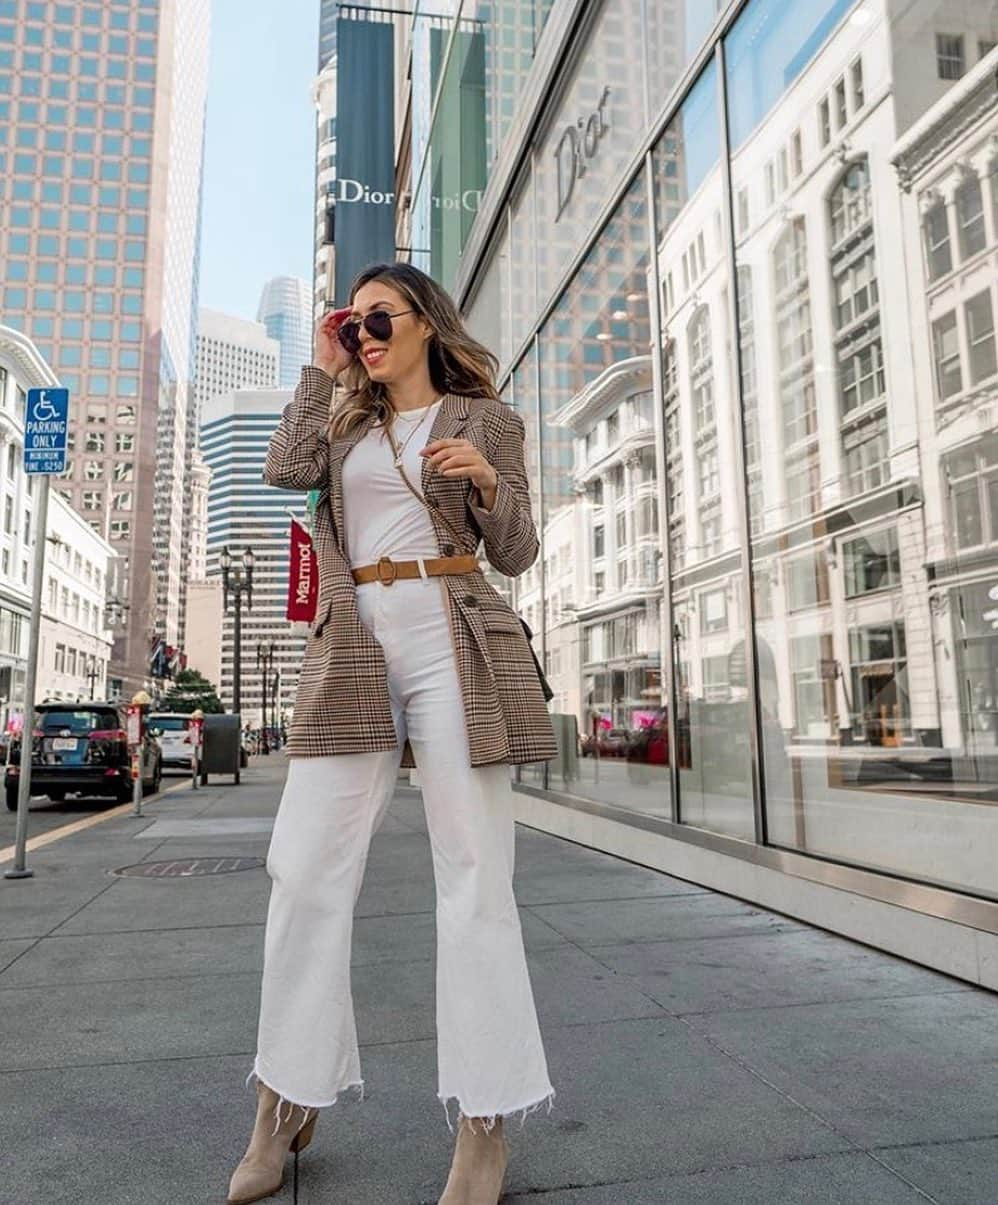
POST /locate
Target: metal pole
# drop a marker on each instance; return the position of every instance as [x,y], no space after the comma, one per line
[237,652]
[19,870]
[264,745]
[137,776]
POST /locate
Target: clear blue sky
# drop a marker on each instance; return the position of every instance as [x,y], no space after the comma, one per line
[260,150]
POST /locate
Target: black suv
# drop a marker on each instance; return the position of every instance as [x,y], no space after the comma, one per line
[82,747]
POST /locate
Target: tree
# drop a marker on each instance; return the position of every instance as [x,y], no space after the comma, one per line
[189,692]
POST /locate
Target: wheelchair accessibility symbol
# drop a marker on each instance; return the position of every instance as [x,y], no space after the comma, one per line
[43,410]
[45,430]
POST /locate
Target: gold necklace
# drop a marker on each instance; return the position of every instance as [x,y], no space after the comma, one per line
[421,410]
[399,450]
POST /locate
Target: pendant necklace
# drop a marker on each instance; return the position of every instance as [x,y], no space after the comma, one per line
[399,450]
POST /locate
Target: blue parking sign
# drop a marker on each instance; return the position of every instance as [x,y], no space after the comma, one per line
[46,420]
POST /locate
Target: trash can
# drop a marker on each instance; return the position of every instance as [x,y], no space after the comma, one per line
[221,747]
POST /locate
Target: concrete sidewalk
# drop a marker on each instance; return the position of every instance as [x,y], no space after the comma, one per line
[703,1051]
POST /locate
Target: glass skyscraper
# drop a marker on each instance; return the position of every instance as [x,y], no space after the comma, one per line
[101,142]
[286,311]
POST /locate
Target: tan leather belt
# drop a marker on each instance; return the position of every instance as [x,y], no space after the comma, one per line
[387,570]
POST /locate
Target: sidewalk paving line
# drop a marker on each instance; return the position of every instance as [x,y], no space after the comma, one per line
[67,830]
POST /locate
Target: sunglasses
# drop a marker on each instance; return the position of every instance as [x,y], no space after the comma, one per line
[378,325]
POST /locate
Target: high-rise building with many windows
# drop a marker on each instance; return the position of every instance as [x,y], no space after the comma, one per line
[101,140]
[285,310]
[244,513]
[233,353]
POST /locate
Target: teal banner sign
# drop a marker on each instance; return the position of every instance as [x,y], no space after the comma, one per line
[364,192]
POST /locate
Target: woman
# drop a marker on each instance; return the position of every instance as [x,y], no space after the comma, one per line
[413,659]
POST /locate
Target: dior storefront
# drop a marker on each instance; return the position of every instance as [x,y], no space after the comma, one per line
[740,270]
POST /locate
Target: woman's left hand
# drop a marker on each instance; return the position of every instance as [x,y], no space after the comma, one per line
[460,458]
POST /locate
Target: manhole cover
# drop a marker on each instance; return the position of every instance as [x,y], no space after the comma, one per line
[189,868]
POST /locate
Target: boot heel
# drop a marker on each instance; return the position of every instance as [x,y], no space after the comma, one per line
[304,1135]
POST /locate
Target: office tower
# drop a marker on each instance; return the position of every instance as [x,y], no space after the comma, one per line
[233,353]
[286,312]
[101,141]
[243,513]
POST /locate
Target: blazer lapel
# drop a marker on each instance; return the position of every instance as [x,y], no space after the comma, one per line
[451,419]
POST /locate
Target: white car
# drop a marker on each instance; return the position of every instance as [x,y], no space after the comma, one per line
[172,732]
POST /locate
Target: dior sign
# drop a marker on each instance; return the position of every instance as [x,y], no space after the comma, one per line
[356,192]
[576,147]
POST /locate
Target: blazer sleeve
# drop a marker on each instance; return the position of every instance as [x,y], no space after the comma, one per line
[298,454]
[508,529]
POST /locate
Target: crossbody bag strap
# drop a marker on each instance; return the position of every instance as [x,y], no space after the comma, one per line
[545,685]
[417,495]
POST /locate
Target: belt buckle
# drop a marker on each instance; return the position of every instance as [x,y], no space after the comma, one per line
[386,560]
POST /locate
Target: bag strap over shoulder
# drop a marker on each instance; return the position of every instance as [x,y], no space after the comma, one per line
[541,677]
[417,495]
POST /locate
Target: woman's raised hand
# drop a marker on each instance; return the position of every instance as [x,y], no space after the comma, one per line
[330,355]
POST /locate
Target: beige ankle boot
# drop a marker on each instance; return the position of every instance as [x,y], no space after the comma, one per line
[261,1172]
[479,1166]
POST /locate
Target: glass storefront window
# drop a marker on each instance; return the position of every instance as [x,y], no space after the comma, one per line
[877,681]
[849,408]
[701,422]
[589,137]
[603,606]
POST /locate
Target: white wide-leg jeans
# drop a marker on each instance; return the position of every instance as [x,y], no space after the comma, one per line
[490,1057]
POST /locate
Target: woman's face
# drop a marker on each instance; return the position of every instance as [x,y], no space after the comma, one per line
[396,358]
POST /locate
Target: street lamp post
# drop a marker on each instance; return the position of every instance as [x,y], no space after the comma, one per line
[237,580]
[92,673]
[265,662]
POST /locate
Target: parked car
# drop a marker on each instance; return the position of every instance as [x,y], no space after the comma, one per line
[649,746]
[82,748]
[172,731]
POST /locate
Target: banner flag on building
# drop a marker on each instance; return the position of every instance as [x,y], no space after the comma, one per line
[364,192]
[303,576]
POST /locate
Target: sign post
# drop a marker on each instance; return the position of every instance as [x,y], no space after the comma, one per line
[46,421]
[136,724]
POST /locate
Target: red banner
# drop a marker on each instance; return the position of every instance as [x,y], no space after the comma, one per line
[303,578]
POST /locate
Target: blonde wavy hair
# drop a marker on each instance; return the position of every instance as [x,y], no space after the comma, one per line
[457,362]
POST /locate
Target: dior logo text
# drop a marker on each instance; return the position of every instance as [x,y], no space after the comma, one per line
[577,145]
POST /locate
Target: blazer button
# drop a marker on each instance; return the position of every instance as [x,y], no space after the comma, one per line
[448,550]
[470,600]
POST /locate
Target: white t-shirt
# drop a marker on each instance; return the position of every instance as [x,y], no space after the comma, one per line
[381,516]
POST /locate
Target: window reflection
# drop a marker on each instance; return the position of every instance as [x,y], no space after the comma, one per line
[872,545]
[603,581]
[853,407]
[700,421]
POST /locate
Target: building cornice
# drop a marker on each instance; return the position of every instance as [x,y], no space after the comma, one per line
[30,369]
[960,109]
[611,386]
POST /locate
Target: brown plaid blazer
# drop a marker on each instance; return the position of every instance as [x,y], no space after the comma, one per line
[342,704]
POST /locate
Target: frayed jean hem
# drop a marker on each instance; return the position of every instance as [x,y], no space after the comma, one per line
[356,1089]
[489,1120]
